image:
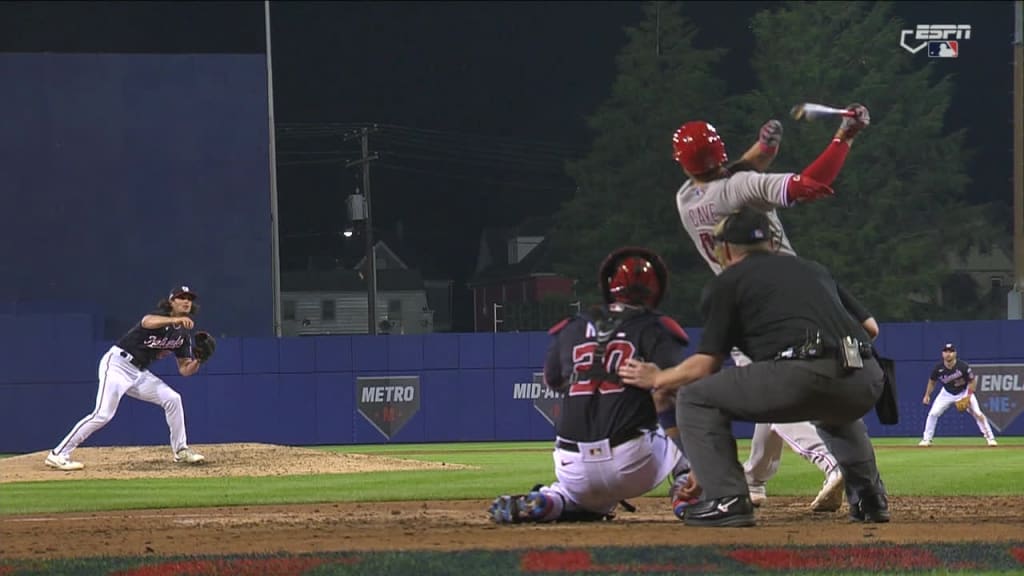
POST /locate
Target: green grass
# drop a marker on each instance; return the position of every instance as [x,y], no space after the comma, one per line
[970,468]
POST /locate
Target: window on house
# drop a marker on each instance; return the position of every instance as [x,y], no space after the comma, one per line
[997,281]
[327,309]
[288,310]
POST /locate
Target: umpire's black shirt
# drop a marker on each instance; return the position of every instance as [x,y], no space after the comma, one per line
[768,302]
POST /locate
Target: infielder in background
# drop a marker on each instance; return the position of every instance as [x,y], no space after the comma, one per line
[714,190]
[124,369]
[608,446]
[958,385]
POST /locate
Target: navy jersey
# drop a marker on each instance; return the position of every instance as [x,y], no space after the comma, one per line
[955,379]
[596,405]
[147,345]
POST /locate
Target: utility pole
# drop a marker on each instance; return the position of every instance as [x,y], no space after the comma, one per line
[371,257]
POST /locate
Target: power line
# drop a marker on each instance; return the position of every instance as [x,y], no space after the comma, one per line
[508,183]
[327,129]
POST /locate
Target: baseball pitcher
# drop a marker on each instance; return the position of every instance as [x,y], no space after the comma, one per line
[608,446]
[958,385]
[712,191]
[124,370]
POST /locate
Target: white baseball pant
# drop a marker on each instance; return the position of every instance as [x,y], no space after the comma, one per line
[118,377]
[943,401]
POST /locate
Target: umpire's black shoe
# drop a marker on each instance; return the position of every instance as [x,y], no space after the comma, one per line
[728,511]
[871,508]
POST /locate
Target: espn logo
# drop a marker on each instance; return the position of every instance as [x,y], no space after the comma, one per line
[947,49]
[942,40]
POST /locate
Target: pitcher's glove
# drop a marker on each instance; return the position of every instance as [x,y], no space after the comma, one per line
[203,346]
[964,403]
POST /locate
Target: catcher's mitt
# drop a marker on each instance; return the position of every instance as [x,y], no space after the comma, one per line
[964,403]
[203,346]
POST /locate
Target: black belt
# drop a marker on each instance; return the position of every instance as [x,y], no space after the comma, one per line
[802,353]
[570,446]
[132,359]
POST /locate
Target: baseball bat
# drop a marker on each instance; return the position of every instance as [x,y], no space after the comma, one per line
[811,111]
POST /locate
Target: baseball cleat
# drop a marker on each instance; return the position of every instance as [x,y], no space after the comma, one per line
[871,508]
[509,509]
[679,506]
[925,443]
[187,456]
[830,498]
[731,511]
[62,462]
[992,442]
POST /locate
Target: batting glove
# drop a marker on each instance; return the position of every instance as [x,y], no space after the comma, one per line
[852,125]
[770,137]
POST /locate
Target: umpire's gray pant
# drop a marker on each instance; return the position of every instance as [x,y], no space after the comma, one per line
[780,391]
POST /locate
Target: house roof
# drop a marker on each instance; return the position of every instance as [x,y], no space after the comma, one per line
[353,250]
[537,262]
[349,281]
[494,241]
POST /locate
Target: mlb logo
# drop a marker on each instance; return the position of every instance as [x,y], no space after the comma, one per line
[944,49]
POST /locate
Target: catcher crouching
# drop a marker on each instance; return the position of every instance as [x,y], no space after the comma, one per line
[609,445]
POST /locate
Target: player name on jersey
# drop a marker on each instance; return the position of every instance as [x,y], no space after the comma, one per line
[388,402]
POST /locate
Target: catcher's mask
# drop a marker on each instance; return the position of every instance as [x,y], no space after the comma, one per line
[747,226]
[635,276]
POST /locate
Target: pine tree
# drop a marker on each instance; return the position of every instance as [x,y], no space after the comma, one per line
[626,184]
[900,203]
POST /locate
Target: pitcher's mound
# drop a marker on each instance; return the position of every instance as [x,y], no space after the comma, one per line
[120,462]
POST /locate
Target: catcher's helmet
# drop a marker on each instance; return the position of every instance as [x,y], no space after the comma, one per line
[634,276]
[698,147]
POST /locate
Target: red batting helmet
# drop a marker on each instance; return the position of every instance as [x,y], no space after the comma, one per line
[634,276]
[698,147]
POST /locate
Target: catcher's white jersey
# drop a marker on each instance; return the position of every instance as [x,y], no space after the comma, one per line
[701,208]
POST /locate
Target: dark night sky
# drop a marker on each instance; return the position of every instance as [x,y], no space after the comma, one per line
[488,93]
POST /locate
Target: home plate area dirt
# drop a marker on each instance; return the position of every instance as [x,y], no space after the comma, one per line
[464,525]
[445,526]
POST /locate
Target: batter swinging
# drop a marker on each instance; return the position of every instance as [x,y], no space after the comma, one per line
[712,191]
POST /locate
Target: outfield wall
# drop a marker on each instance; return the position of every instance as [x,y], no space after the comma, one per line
[124,175]
[424,388]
